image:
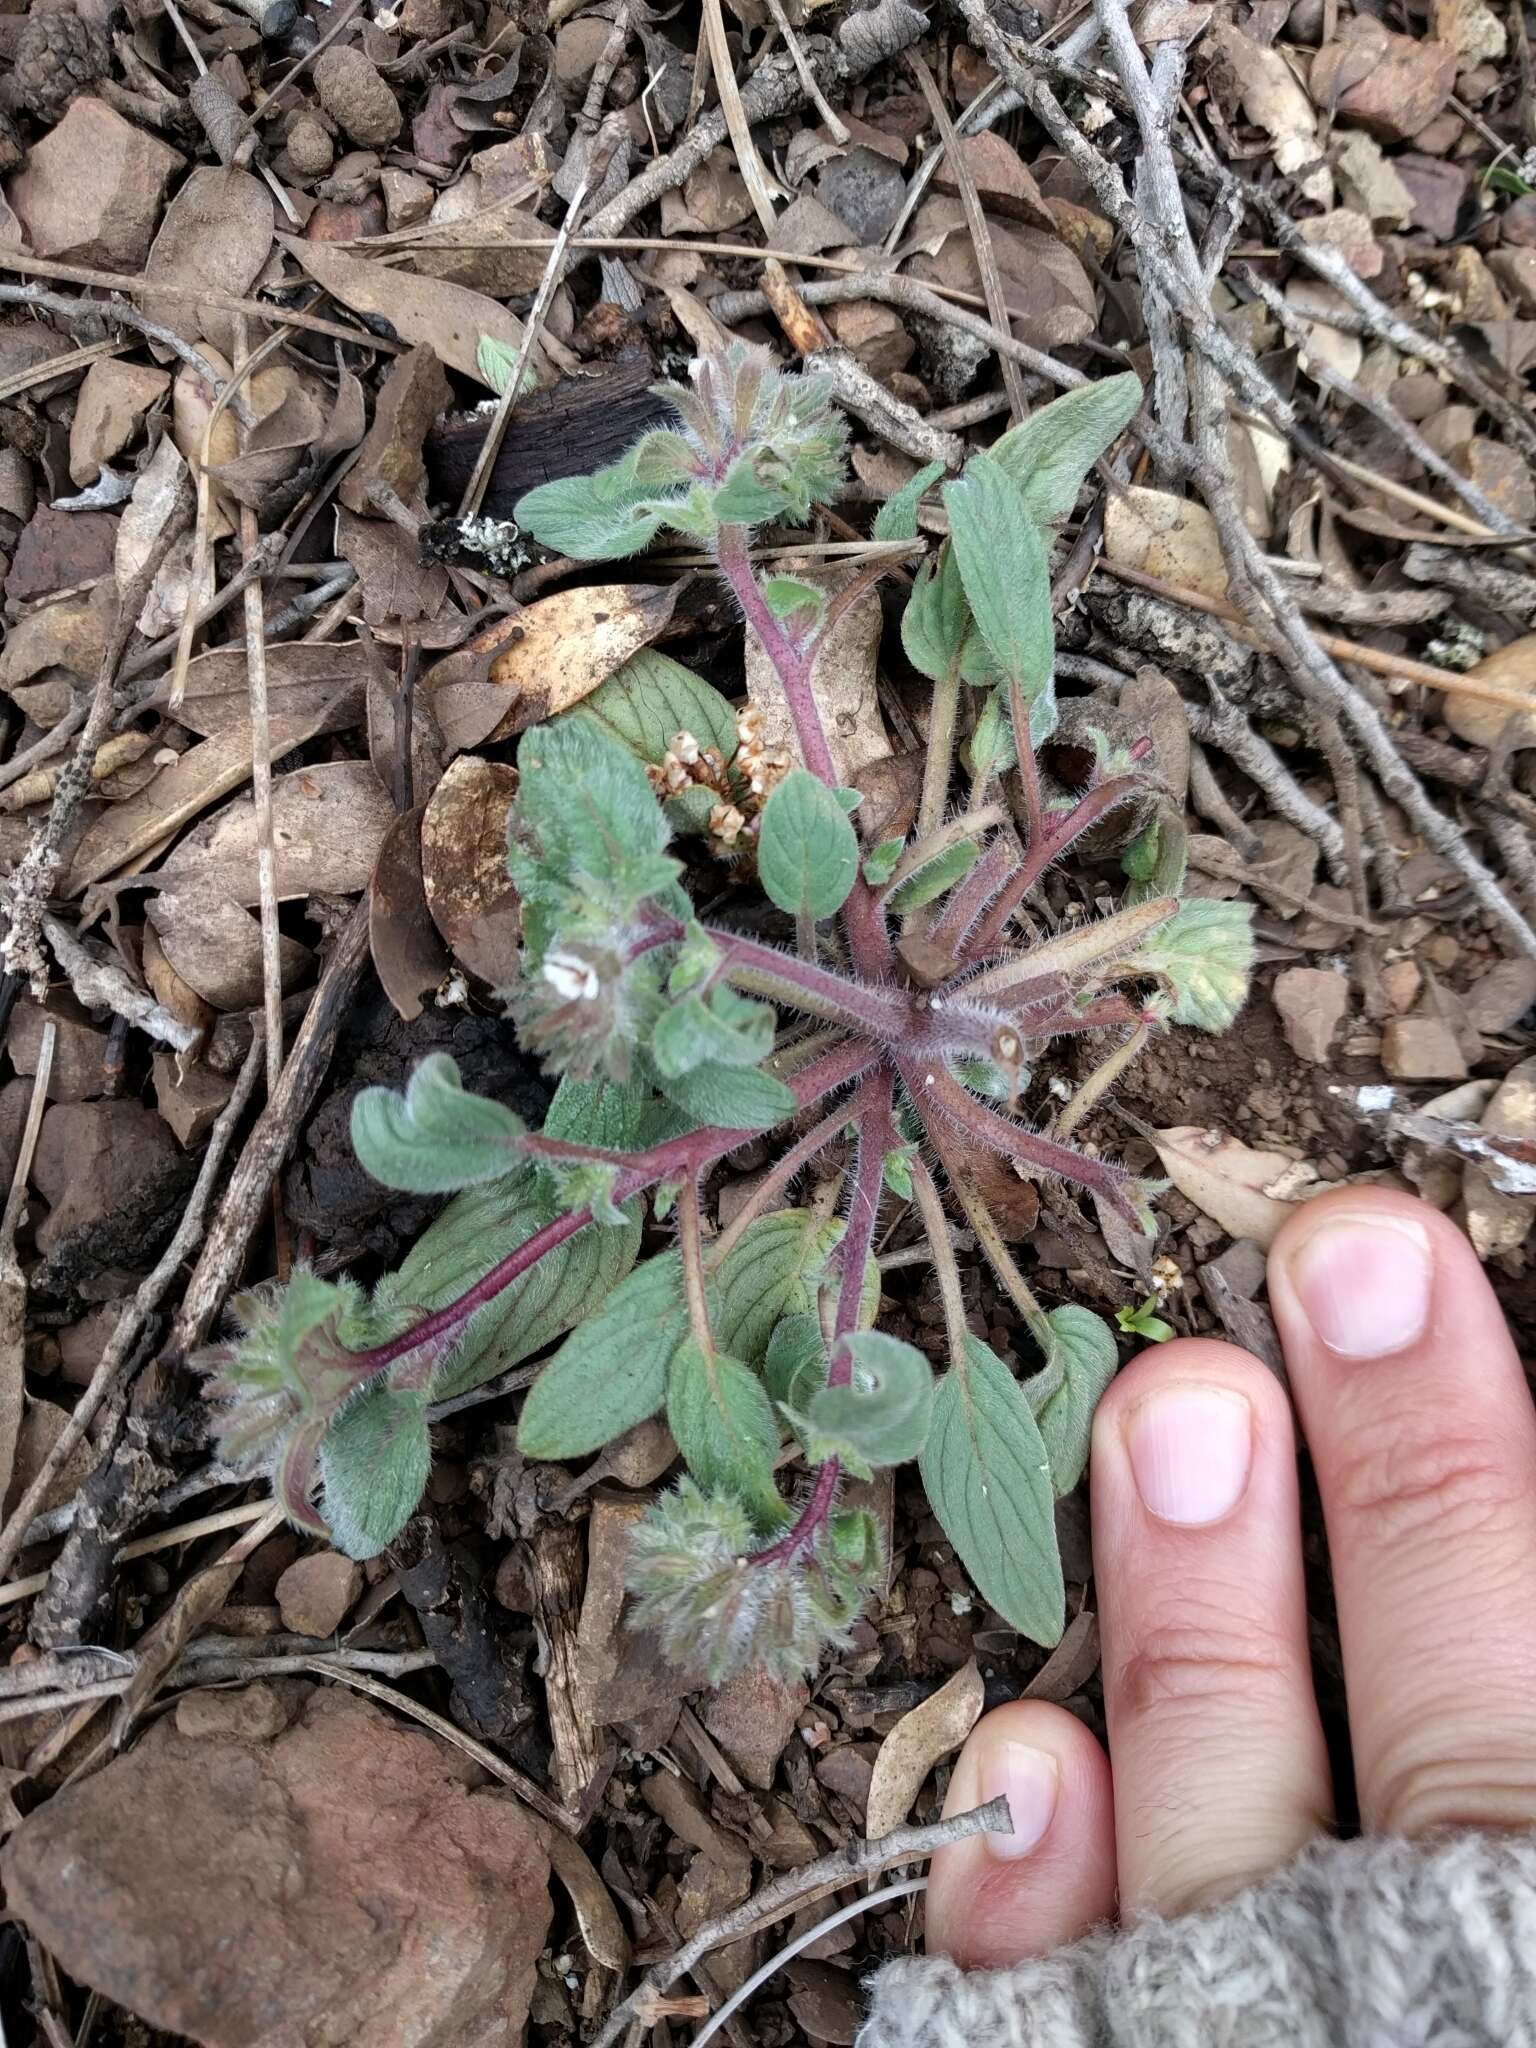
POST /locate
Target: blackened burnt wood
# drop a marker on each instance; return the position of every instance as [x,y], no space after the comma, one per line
[577,426]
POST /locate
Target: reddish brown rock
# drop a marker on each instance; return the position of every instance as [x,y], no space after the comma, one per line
[1421,1049]
[78,1071]
[60,549]
[108,1169]
[316,1594]
[91,191]
[1313,1002]
[752,1717]
[1393,85]
[343,1886]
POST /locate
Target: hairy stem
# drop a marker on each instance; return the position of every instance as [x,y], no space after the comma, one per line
[690,1238]
[872,1114]
[774,1183]
[990,1237]
[946,1270]
[1056,834]
[1103,1077]
[792,664]
[873,1012]
[938,1094]
[943,713]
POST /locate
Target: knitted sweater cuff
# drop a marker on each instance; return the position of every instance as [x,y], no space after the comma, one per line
[1366,1944]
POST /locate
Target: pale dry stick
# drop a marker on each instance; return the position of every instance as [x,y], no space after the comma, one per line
[831,120]
[1400,667]
[1444,515]
[1490,519]
[773,89]
[13,1281]
[794,1888]
[147,1298]
[984,111]
[225,396]
[276,1127]
[976,222]
[554,268]
[163,1539]
[107,309]
[36,787]
[905,1888]
[760,186]
[1316,676]
[1375,316]
[58,366]
[910,296]
[1224,727]
[261,749]
[162,287]
[53,742]
[103,984]
[197,1675]
[31,881]
[527,1789]
[268,175]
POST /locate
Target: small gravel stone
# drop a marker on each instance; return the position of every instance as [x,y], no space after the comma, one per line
[314,1595]
[254,1713]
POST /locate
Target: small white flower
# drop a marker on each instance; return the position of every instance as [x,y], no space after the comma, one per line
[572,978]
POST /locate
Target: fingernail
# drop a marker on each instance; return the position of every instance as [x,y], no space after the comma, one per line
[1028,1779]
[1190,1448]
[1364,1284]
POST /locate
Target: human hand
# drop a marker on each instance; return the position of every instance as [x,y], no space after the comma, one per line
[1421,1429]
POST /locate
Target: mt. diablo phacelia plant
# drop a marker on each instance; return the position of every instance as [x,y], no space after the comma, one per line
[910,1026]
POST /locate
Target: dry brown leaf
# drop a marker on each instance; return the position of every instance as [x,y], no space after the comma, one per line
[138,531]
[216,235]
[1249,1193]
[412,396]
[396,583]
[409,956]
[213,946]
[561,648]
[451,320]
[1340,352]
[1050,300]
[464,867]
[919,1740]
[1275,100]
[200,777]
[844,685]
[1161,535]
[596,1915]
[1511,668]
[328,823]
[324,679]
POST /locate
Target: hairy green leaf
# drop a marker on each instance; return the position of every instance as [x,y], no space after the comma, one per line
[496,362]
[435,1136]
[1049,454]
[723,1424]
[597,518]
[988,1480]
[611,1372]
[775,1271]
[1157,859]
[475,1231]
[935,877]
[795,1363]
[1080,1360]
[937,618]
[798,603]
[1204,955]
[650,700]
[807,852]
[881,861]
[881,1418]
[1006,572]
[723,1027]
[374,1463]
[897,517]
[736,1098]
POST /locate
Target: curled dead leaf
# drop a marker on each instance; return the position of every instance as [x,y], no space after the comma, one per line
[409,956]
[464,867]
[1248,1192]
[596,1915]
[559,650]
[919,1740]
